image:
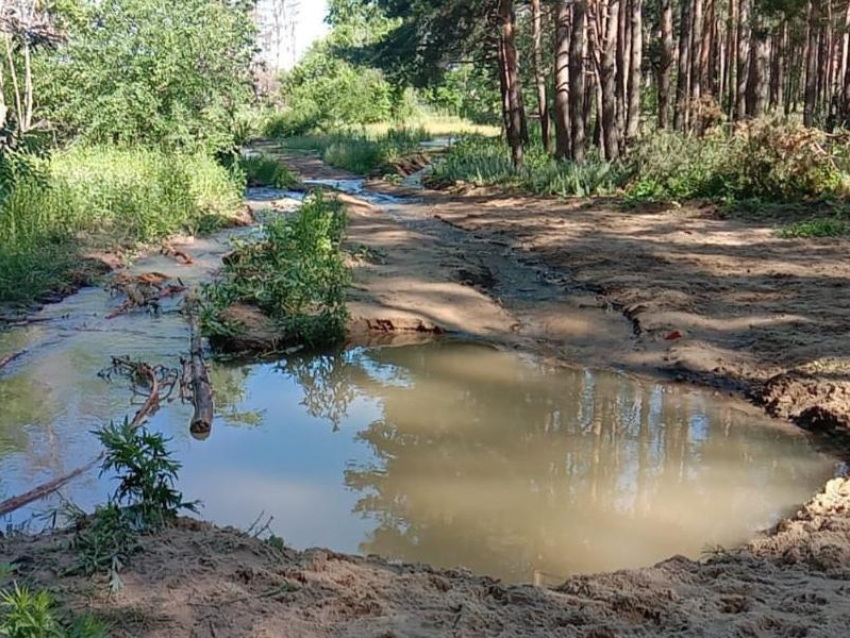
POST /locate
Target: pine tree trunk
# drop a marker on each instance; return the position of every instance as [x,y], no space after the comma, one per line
[611,143]
[743,59]
[811,90]
[635,65]
[757,88]
[540,73]
[563,80]
[665,69]
[680,120]
[510,69]
[578,111]
[696,52]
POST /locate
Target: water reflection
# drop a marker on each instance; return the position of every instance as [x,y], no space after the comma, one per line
[448,453]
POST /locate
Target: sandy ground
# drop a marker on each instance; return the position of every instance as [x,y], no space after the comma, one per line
[679,291]
[201,581]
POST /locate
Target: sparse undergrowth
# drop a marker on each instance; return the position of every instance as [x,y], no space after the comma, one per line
[295,276]
[33,614]
[52,208]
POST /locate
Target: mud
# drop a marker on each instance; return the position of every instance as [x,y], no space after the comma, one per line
[198,580]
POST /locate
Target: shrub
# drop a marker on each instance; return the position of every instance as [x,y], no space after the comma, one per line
[264,170]
[295,275]
[27,614]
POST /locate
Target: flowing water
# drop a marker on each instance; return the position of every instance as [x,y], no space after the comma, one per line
[451,453]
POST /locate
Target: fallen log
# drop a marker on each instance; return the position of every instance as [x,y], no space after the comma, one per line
[198,383]
[128,305]
[46,489]
[8,359]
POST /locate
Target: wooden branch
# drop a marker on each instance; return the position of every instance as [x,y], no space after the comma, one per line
[8,359]
[128,305]
[46,489]
[199,381]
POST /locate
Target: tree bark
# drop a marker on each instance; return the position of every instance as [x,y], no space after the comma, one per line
[680,120]
[563,80]
[635,65]
[540,73]
[757,88]
[510,71]
[743,60]
[811,89]
[611,142]
[665,68]
[577,80]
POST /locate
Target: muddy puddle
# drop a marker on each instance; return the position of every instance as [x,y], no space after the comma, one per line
[450,453]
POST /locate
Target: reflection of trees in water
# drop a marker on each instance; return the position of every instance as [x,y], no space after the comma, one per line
[230,383]
[505,467]
[328,383]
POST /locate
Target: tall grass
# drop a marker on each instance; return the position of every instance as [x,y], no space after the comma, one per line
[104,196]
[486,162]
[362,152]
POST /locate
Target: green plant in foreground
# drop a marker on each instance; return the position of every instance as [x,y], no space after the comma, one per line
[295,275]
[146,474]
[27,614]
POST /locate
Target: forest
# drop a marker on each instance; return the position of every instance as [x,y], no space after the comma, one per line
[439,317]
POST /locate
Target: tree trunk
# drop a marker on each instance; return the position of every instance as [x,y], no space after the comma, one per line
[635,64]
[540,73]
[696,53]
[563,80]
[811,90]
[757,88]
[510,70]
[577,81]
[665,69]
[680,120]
[743,60]
[611,142]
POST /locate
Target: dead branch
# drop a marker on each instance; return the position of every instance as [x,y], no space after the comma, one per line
[9,358]
[198,380]
[169,291]
[154,383]
[17,502]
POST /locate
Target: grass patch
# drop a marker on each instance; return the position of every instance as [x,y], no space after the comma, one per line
[265,170]
[485,161]
[295,275]
[819,227]
[362,152]
[100,196]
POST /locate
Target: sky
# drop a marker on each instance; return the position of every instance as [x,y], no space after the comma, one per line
[311,25]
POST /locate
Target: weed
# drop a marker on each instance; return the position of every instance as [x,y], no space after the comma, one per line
[818,227]
[295,275]
[264,170]
[105,542]
[146,474]
[27,614]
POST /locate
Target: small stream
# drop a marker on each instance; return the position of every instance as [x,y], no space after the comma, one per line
[451,453]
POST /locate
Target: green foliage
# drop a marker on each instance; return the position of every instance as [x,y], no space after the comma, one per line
[483,161]
[146,474]
[760,160]
[360,152]
[819,227]
[153,72]
[105,542]
[110,195]
[264,170]
[295,275]
[27,614]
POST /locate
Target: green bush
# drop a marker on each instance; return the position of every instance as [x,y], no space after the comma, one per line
[296,275]
[264,170]
[109,195]
[151,72]
[27,614]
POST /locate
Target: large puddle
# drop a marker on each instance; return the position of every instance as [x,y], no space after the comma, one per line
[450,453]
